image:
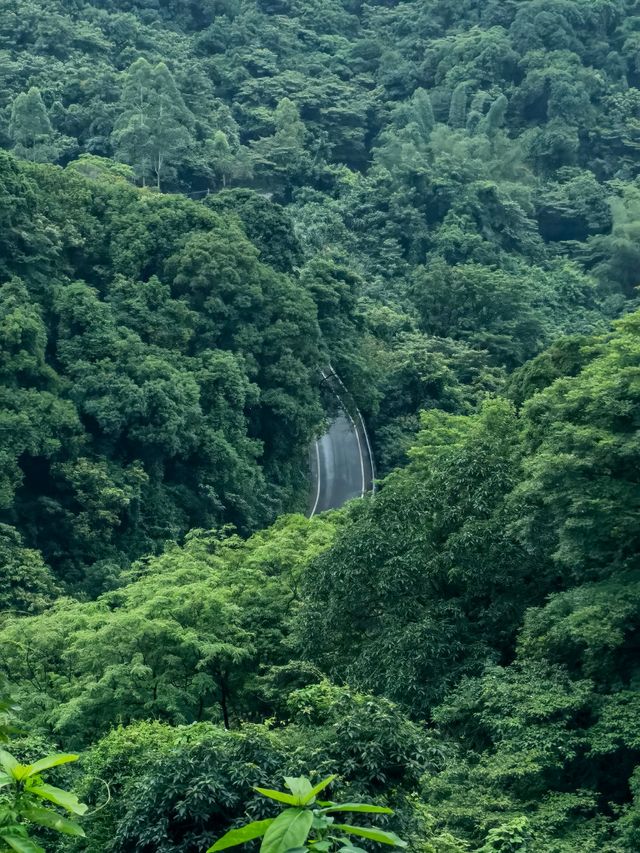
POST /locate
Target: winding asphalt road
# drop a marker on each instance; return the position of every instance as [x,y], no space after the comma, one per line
[341,464]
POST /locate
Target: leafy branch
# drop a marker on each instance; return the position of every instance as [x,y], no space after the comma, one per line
[25,797]
[308,823]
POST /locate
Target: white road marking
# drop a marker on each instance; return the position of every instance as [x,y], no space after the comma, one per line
[360,453]
[355,429]
[364,430]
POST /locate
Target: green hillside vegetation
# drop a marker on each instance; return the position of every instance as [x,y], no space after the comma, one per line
[156,375]
[202,205]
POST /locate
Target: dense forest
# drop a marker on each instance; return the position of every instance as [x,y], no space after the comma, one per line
[203,203]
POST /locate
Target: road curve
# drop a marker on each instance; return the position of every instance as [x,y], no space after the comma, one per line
[340,461]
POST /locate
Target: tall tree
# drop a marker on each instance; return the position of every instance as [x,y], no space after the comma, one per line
[458,106]
[132,132]
[495,116]
[153,132]
[224,162]
[282,157]
[30,128]
[423,112]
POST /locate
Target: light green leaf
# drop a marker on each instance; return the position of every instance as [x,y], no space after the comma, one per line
[322,822]
[62,798]
[8,762]
[279,796]
[52,820]
[299,786]
[317,788]
[256,829]
[50,761]
[372,834]
[20,772]
[21,844]
[289,829]
[357,807]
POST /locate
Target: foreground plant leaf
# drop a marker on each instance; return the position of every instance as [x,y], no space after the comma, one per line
[240,836]
[372,834]
[289,830]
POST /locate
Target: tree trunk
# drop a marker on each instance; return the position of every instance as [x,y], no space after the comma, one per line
[223,703]
[158,169]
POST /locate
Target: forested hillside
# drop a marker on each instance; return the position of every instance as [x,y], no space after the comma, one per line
[202,205]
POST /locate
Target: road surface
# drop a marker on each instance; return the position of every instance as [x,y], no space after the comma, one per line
[340,466]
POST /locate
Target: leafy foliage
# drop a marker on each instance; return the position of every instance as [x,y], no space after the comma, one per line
[155,375]
[26,799]
[523,655]
[307,823]
[185,640]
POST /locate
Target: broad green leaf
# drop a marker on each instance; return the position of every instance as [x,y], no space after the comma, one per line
[317,788]
[5,779]
[322,846]
[279,796]
[357,807]
[52,820]
[289,829]
[349,848]
[8,762]
[62,798]
[21,844]
[372,834]
[256,829]
[20,772]
[299,786]
[50,761]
